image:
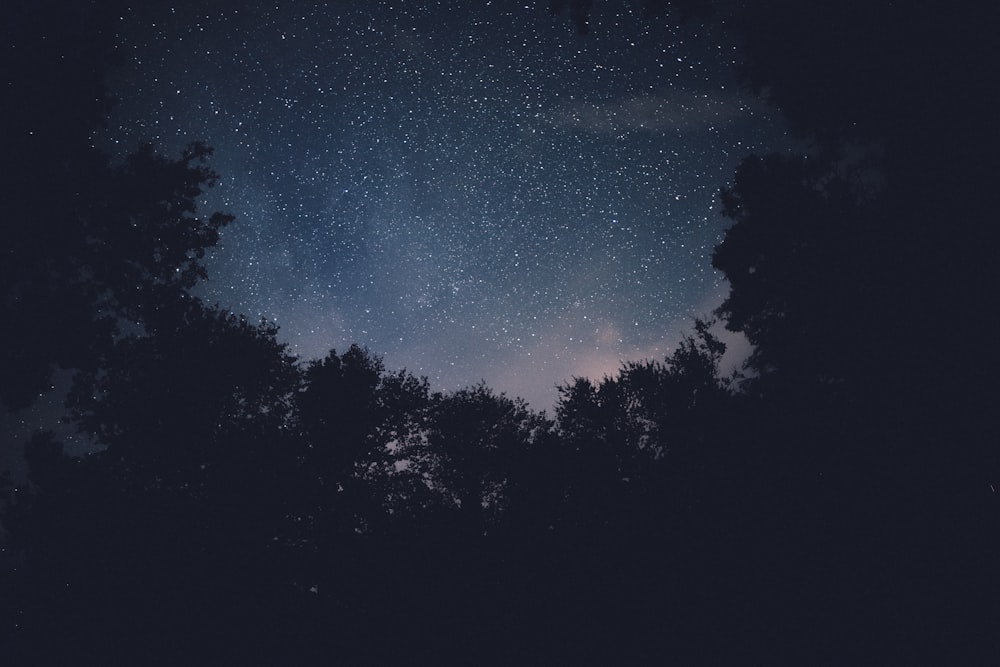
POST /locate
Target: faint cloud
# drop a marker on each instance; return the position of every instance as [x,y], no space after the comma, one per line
[673,111]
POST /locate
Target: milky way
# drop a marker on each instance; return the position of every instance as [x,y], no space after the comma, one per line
[470,189]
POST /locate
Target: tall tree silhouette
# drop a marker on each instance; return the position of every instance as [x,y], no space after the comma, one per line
[348,422]
[845,270]
[99,255]
[354,420]
[89,242]
[804,264]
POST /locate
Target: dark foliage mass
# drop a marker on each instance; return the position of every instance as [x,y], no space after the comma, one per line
[88,244]
[833,503]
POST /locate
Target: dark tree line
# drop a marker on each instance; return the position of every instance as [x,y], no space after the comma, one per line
[833,503]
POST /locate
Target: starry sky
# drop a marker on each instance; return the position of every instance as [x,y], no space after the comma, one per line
[471,189]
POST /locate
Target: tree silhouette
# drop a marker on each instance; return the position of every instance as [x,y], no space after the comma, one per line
[843,268]
[803,263]
[100,255]
[90,243]
[472,437]
[344,418]
[127,249]
[354,419]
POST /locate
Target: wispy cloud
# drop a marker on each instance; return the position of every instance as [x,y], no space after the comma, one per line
[672,111]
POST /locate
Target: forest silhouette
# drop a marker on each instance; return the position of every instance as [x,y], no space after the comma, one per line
[834,502]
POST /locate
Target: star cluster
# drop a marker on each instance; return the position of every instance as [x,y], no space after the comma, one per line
[470,189]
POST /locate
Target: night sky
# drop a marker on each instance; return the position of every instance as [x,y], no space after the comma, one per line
[470,189]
